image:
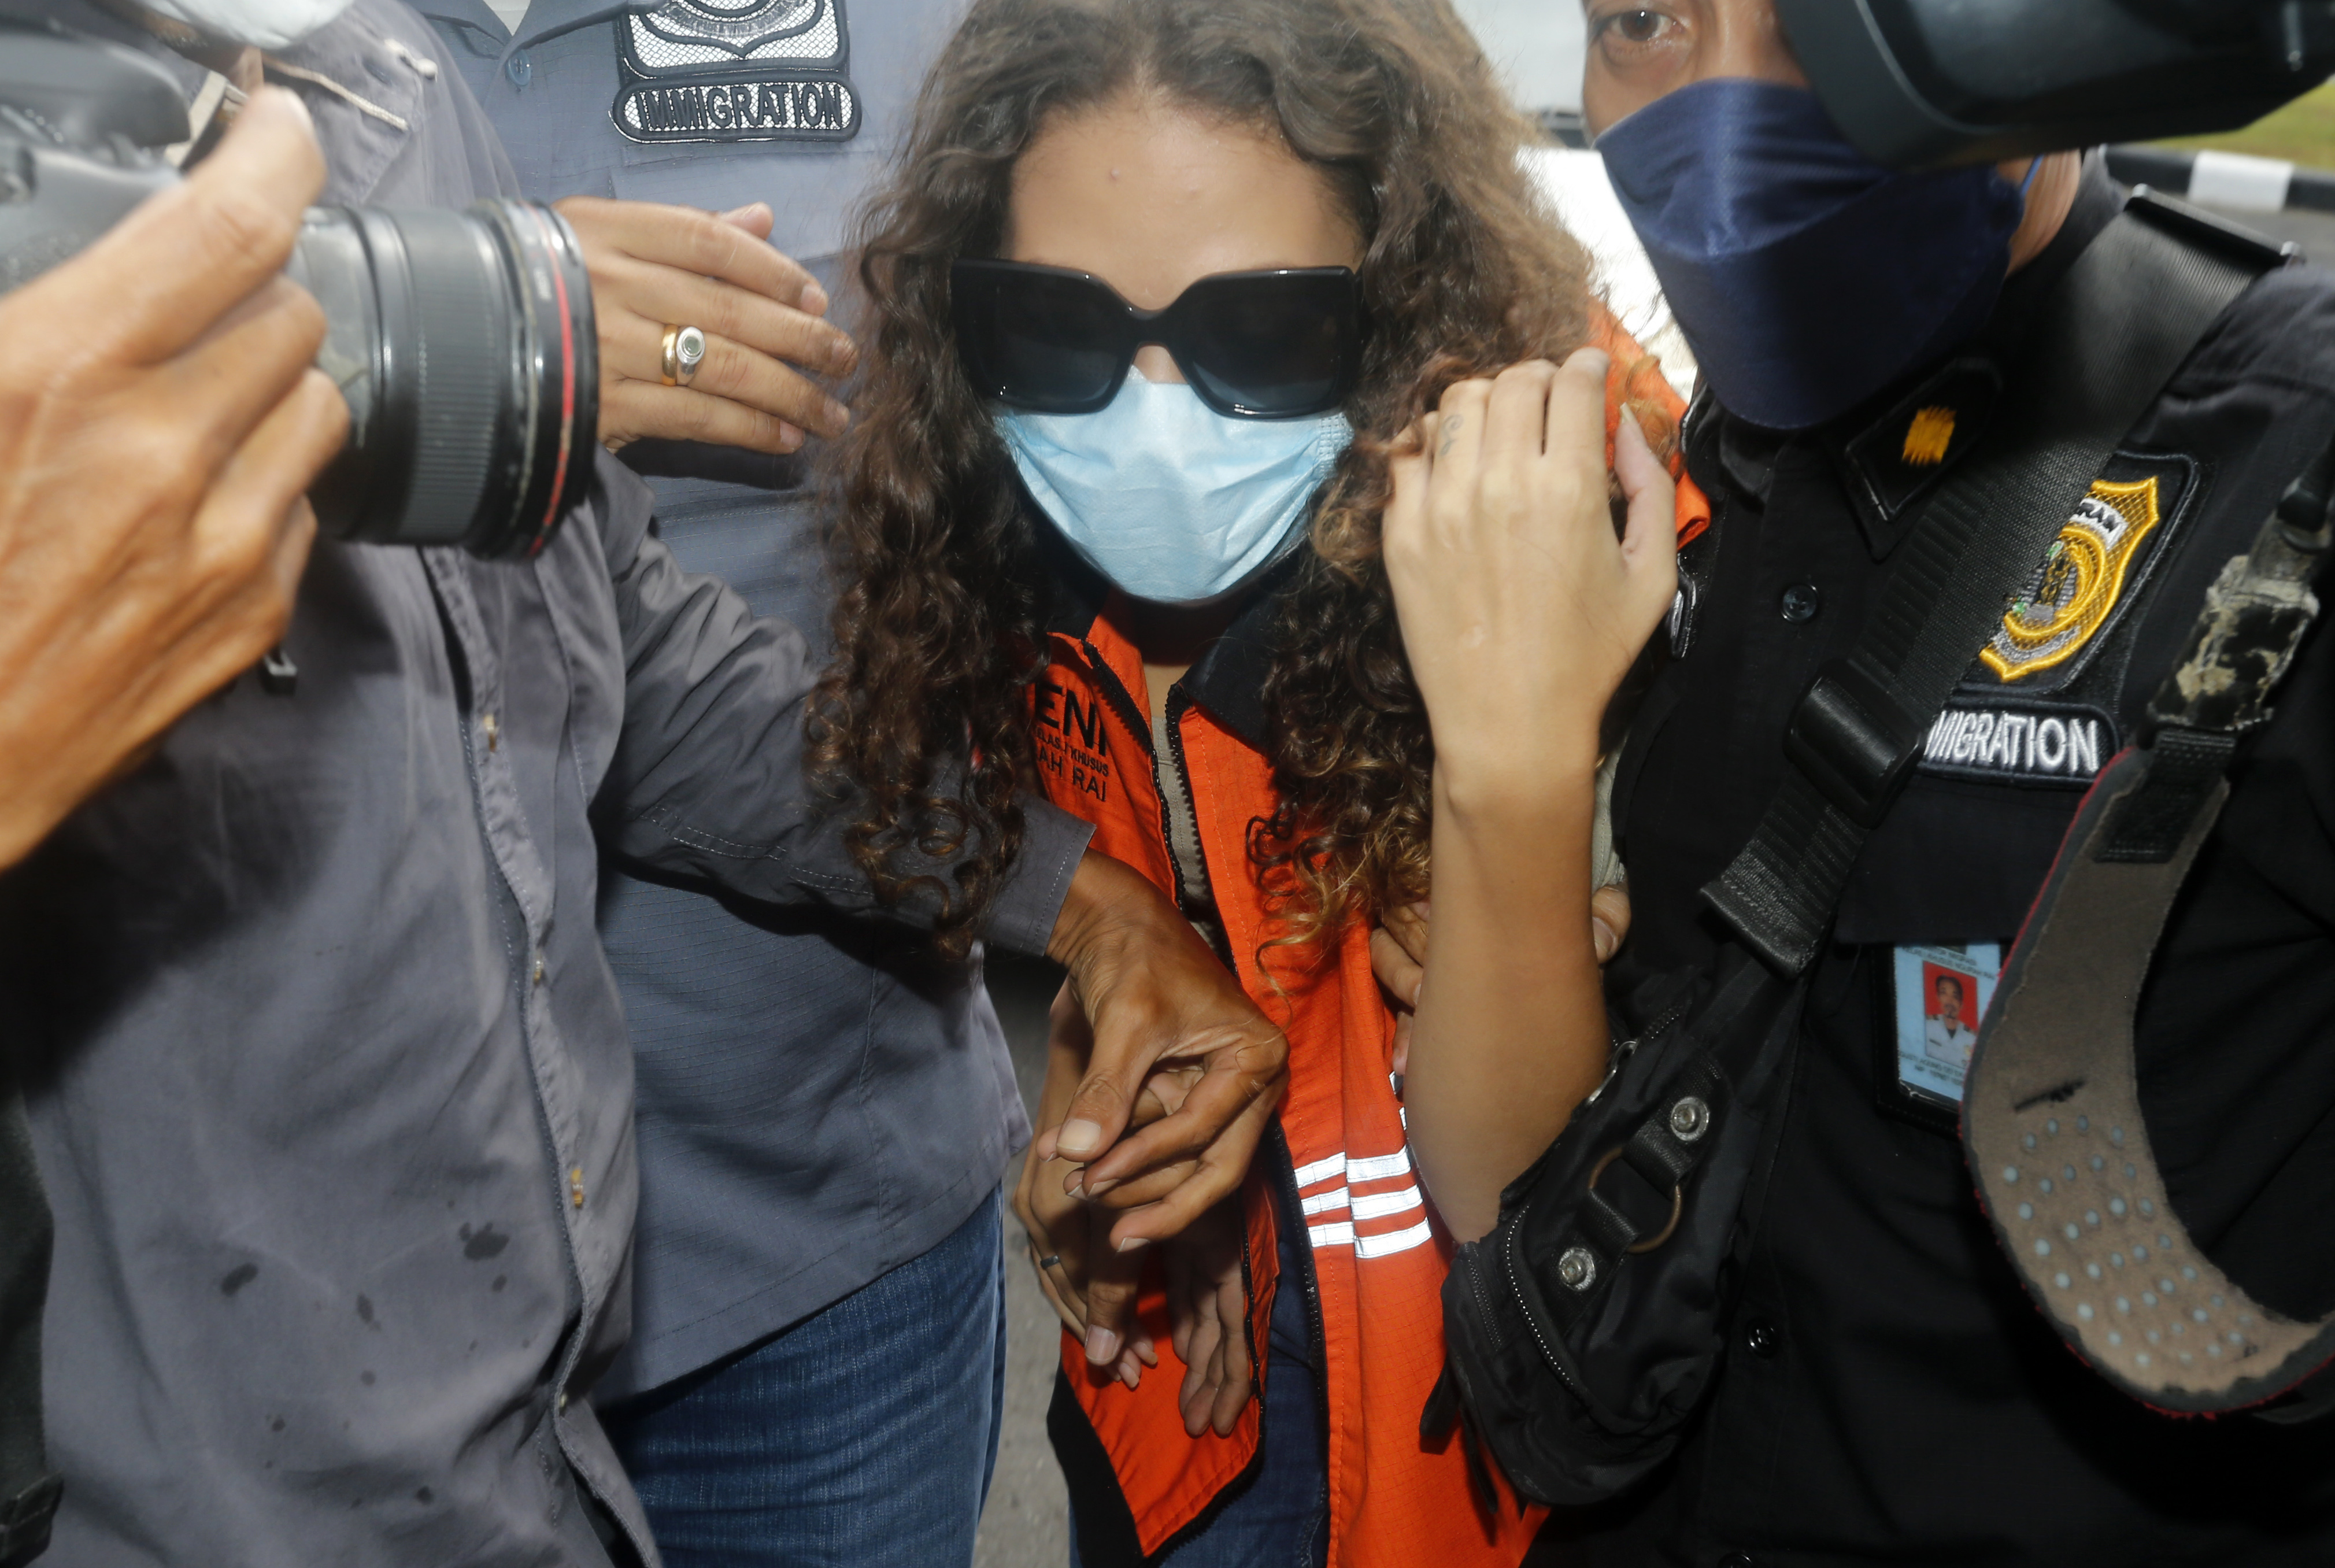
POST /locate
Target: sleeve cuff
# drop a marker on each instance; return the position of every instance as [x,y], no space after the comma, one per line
[1022,918]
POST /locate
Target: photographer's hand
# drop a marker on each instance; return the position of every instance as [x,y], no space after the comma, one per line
[160,420]
[656,267]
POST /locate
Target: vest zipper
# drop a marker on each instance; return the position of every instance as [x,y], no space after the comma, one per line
[1285,1174]
[1177,702]
[1115,692]
[1208,920]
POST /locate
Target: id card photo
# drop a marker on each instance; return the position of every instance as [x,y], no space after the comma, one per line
[1941,992]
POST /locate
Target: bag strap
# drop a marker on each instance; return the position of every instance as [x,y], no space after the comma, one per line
[2113,330]
[2051,1115]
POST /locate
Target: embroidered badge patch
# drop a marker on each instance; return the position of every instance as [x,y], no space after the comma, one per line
[736,70]
[2016,743]
[2078,582]
[2065,618]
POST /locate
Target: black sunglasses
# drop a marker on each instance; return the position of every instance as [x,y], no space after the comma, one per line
[1261,346]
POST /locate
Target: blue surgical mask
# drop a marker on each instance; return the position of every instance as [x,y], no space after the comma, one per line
[1169,499]
[1806,276]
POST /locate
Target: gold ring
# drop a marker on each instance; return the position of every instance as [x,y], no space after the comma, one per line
[684,351]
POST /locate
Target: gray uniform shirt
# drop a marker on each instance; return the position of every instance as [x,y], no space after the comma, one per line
[816,1107]
[327,1070]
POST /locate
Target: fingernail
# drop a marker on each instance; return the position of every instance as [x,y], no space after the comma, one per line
[1601,937]
[1416,986]
[297,105]
[1102,1346]
[1078,1138]
[1095,1189]
[1132,1244]
[789,439]
[813,300]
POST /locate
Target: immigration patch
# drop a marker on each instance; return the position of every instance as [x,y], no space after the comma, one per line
[736,70]
[2000,742]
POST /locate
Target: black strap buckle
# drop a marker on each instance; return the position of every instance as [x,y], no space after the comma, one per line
[1852,741]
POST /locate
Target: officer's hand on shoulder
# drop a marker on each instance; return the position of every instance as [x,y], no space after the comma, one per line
[658,270]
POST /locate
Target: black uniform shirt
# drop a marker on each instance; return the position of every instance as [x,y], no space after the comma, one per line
[1890,1395]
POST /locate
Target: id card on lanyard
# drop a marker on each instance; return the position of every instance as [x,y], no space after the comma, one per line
[1938,992]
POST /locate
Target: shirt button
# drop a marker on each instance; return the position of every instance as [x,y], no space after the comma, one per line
[563,1410]
[1800,603]
[519,68]
[1764,1339]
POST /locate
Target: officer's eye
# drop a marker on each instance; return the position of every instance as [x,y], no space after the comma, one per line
[1634,28]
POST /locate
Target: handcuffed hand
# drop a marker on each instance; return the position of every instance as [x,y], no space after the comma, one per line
[1092,1288]
[1079,1278]
[1167,1018]
[654,266]
[1207,1312]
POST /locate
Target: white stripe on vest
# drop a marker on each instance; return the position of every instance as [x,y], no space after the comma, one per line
[1366,1206]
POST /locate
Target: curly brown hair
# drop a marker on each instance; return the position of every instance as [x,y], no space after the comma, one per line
[921,720]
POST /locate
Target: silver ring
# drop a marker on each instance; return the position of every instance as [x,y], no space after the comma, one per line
[684,351]
[1051,1260]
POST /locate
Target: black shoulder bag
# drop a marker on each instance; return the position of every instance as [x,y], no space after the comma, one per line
[1583,1333]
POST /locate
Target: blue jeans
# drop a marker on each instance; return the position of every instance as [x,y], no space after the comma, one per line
[1281,1517]
[860,1437]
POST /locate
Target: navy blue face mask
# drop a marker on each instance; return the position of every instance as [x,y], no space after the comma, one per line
[1806,276]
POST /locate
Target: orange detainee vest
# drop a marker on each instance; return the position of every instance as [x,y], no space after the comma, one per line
[1378,1258]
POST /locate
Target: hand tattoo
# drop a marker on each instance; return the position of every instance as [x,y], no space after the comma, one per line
[1451,423]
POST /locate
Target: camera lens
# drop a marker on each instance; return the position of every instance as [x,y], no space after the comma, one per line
[464,344]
